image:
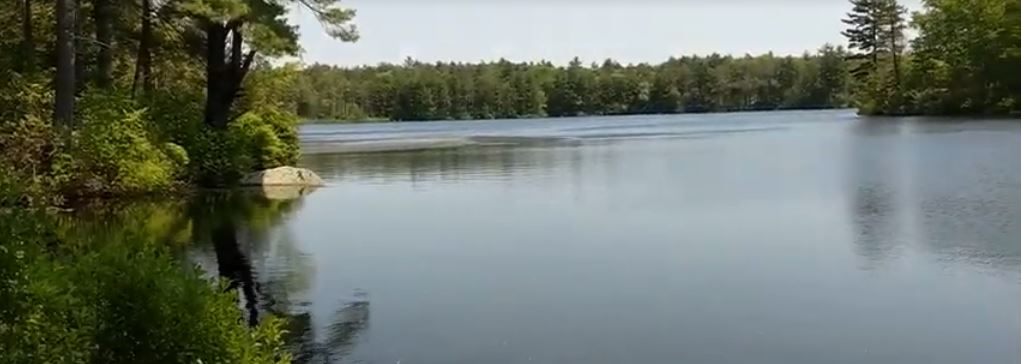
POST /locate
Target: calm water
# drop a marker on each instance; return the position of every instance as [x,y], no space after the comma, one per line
[789,237]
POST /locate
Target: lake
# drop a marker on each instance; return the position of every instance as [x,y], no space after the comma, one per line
[781,237]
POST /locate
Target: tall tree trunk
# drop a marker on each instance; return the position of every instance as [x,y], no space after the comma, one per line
[224,76]
[143,65]
[895,53]
[102,15]
[28,40]
[63,109]
[217,112]
[80,47]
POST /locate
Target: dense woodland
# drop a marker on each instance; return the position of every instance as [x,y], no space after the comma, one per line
[964,60]
[503,89]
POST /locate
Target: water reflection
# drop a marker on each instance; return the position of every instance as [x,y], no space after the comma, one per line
[217,217]
[244,233]
[472,163]
[163,221]
[350,320]
[939,185]
[967,183]
[876,181]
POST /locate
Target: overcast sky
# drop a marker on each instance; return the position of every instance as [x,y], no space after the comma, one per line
[557,30]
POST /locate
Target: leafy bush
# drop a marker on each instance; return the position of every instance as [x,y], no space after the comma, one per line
[268,136]
[114,153]
[264,137]
[28,333]
[254,141]
[29,172]
[223,161]
[25,96]
[120,301]
[124,146]
[175,116]
[29,143]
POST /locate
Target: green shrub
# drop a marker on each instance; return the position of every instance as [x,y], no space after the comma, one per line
[30,151]
[151,311]
[25,96]
[31,330]
[175,116]
[255,140]
[124,146]
[113,152]
[124,300]
[269,136]
[264,137]
[178,155]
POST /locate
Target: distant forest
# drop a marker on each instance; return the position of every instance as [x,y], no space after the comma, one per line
[965,59]
[503,89]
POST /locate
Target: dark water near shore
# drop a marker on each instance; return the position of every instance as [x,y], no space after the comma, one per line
[787,237]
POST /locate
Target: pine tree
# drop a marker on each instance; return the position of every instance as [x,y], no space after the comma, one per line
[891,34]
[863,35]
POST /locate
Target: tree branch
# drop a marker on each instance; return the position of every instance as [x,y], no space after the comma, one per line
[247,64]
[237,41]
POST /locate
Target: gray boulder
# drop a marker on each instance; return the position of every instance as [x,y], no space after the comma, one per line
[283,176]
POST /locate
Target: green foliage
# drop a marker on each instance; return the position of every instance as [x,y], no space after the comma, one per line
[28,176]
[113,152]
[963,61]
[24,96]
[271,87]
[174,115]
[863,35]
[269,137]
[123,146]
[964,55]
[29,172]
[502,89]
[223,162]
[265,21]
[120,148]
[255,140]
[263,137]
[177,155]
[125,300]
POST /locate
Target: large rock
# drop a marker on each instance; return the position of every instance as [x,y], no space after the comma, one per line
[283,176]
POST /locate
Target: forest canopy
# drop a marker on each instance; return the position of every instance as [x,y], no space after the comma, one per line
[963,59]
[503,89]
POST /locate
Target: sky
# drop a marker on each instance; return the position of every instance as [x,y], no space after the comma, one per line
[632,31]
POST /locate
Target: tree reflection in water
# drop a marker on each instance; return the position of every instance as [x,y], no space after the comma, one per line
[346,324]
[258,256]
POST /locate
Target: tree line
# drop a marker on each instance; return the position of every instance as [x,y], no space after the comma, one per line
[440,91]
[965,59]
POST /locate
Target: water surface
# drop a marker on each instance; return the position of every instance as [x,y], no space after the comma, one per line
[788,237]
